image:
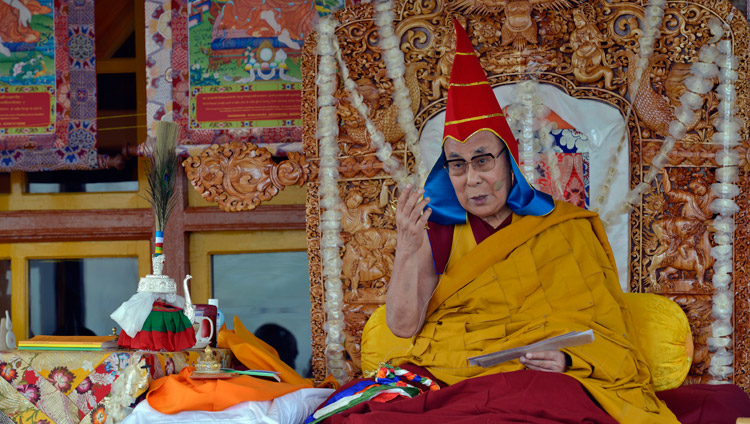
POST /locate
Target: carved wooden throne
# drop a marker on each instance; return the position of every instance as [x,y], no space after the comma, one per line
[516,40]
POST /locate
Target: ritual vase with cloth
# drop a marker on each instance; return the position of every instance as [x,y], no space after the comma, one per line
[156,317]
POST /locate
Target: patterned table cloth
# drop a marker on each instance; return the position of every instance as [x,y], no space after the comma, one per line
[72,387]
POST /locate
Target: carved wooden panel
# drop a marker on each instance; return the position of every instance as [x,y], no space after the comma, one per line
[239,176]
[742,285]
[586,49]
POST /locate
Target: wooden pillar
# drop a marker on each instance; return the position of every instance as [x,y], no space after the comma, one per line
[176,245]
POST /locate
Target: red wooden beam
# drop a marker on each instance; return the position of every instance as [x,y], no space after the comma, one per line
[75,225]
[264,217]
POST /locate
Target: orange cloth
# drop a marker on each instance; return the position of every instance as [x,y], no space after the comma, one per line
[255,354]
[241,331]
[329,383]
[179,392]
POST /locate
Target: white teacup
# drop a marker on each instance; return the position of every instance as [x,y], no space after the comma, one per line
[204,330]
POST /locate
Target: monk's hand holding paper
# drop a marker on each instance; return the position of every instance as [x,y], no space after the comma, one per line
[548,360]
[411,219]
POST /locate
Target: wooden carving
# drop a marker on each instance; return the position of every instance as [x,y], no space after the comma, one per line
[656,110]
[519,28]
[369,250]
[587,50]
[589,60]
[239,176]
[354,138]
[356,315]
[742,286]
[681,243]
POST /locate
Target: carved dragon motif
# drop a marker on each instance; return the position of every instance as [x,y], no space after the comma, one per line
[385,119]
[656,110]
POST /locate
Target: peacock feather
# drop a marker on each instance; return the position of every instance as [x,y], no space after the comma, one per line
[161,172]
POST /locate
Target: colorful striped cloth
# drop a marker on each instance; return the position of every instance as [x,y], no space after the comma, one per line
[166,328]
[390,383]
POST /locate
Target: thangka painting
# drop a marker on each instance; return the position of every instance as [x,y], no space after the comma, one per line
[48,86]
[230,70]
[27,67]
[245,62]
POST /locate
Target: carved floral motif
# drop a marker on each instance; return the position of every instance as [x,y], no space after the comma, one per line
[239,176]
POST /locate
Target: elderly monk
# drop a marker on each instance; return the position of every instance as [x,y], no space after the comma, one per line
[502,265]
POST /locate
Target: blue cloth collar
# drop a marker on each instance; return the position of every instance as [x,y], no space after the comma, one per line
[523,199]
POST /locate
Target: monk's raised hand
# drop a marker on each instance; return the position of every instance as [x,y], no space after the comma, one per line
[411,219]
[548,360]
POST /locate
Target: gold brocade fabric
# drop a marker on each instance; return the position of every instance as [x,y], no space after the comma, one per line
[538,278]
[78,386]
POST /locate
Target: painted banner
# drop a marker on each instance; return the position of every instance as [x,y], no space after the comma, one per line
[48,86]
[27,67]
[229,70]
[245,62]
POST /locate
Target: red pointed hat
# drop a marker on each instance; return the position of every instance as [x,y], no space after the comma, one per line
[472,105]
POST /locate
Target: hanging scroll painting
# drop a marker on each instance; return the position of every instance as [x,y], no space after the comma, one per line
[229,70]
[244,62]
[48,86]
[27,68]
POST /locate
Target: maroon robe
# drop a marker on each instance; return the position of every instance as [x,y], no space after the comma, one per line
[536,397]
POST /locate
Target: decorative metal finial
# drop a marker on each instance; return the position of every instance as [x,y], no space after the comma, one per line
[158,263]
[157,282]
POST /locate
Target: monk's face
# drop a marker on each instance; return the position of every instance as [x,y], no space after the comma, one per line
[483,193]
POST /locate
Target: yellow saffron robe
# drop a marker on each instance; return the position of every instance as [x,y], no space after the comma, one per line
[538,278]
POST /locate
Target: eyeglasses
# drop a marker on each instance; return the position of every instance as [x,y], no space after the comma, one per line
[481,163]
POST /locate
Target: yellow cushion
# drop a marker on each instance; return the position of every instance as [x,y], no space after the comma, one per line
[661,328]
[663,333]
[378,342]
